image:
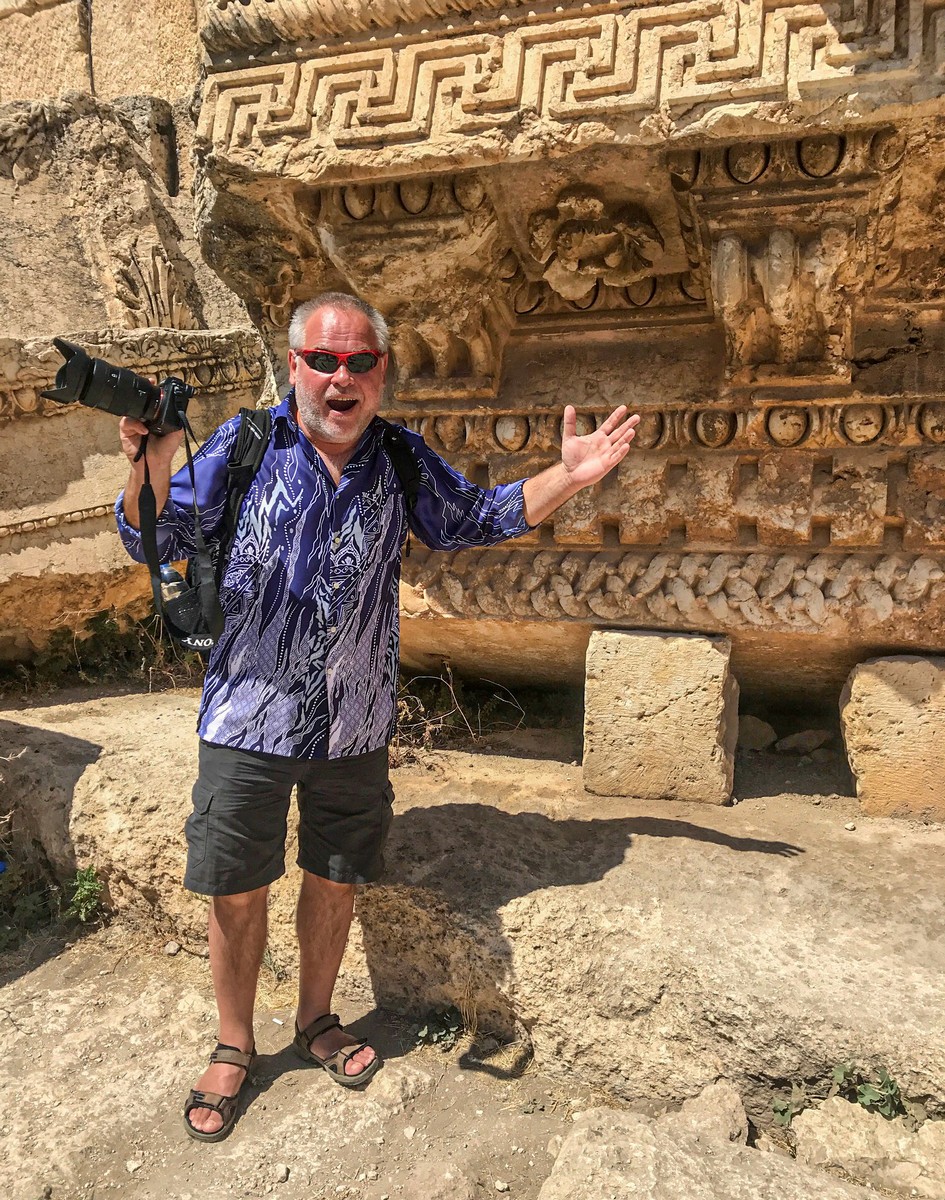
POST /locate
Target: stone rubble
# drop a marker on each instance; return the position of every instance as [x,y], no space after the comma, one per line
[878,1152]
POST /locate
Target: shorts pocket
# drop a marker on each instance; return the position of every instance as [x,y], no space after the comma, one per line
[197,826]
[387,815]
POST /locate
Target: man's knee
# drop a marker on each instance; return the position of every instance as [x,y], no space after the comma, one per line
[240,903]
[327,888]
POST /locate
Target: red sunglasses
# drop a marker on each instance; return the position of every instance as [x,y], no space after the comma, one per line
[327,362]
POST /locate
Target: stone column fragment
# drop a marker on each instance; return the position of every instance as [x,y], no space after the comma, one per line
[660,716]
[893,715]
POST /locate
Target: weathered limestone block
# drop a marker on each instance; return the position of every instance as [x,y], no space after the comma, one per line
[893,716]
[660,717]
[95,247]
[44,48]
[870,1148]
[137,48]
[613,1153]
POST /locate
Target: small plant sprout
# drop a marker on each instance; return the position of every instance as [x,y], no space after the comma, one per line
[442,1028]
[85,895]
[875,1091]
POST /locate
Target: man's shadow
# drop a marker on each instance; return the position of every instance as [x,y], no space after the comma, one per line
[434,927]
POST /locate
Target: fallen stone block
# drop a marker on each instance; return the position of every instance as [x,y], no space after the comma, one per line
[805,742]
[660,716]
[716,1112]
[874,1150]
[893,715]
[624,1154]
[755,734]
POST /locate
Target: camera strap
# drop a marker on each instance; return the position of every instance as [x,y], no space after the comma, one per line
[204,573]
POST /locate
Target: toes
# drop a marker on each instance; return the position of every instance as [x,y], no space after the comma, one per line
[360,1062]
[205,1121]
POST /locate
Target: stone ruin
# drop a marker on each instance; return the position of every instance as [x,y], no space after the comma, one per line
[725,214]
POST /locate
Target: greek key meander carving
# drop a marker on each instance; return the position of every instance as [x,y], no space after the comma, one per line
[774,592]
[574,65]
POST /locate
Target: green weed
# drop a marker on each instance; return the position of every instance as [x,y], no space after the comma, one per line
[85,902]
[785,1110]
[875,1091]
[442,1028]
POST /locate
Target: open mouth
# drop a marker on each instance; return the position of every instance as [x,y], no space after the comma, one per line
[342,404]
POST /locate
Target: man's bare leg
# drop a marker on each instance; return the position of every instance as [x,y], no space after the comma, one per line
[237,935]
[322,921]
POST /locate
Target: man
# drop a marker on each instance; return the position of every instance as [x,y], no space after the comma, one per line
[301,687]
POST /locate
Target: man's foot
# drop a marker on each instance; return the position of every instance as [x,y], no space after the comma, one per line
[332,1047]
[220,1078]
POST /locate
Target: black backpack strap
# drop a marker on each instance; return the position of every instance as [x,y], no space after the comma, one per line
[404,462]
[246,456]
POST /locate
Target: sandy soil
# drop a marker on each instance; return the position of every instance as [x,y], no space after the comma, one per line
[103,1040]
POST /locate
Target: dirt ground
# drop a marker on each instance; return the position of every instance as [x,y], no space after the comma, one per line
[109,1033]
[103,1036]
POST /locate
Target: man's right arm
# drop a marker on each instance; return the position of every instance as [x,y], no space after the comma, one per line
[160,451]
[173,494]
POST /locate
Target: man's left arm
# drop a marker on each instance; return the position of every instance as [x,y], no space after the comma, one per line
[584,461]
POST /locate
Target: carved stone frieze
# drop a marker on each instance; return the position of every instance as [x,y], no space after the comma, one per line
[766,427]
[606,63]
[832,594]
[246,23]
[449,322]
[857,475]
[794,231]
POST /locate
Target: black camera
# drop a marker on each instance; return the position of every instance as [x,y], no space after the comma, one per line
[97,384]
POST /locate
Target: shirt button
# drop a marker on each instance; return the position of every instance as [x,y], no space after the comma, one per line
[336,540]
[336,586]
[331,629]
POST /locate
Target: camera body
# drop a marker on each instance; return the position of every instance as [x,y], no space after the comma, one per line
[97,384]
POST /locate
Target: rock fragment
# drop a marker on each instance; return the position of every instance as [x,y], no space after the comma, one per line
[805,742]
[874,1150]
[611,1153]
[755,734]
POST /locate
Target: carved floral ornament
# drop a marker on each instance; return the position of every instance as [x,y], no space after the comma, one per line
[584,241]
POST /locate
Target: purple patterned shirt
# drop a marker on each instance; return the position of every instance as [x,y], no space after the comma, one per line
[307,663]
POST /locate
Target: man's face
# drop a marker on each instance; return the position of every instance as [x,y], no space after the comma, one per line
[334,410]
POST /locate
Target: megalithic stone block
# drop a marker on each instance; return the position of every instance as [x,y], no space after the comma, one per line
[893,715]
[660,716]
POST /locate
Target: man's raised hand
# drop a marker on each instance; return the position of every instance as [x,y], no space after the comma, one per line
[588,458]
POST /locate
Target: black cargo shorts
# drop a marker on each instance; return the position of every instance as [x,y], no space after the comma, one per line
[237,830]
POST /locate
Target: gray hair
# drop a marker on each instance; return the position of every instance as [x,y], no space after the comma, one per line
[344,302]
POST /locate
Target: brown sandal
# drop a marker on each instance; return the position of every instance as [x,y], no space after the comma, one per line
[334,1064]
[226,1106]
